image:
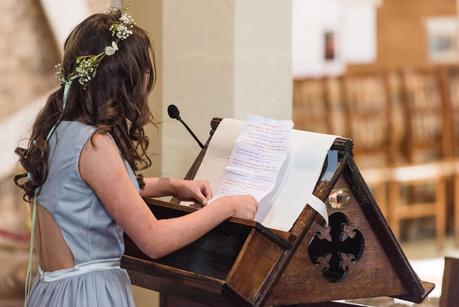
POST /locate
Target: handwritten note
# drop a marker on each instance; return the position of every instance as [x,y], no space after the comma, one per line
[257,158]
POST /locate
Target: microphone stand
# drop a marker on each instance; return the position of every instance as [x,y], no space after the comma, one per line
[174,113]
[191,132]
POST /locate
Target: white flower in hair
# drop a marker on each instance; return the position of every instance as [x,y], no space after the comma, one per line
[126,19]
[86,65]
[110,50]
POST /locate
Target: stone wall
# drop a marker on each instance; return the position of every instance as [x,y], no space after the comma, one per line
[27,58]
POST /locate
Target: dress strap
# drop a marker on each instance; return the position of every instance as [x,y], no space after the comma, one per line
[82,268]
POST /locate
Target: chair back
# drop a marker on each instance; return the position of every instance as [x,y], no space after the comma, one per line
[450,88]
[425,112]
[311,105]
[368,108]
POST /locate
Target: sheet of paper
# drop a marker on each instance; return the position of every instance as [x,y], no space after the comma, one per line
[297,178]
[218,152]
[256,158]
[307,153]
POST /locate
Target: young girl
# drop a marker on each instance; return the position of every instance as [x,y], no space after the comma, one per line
[86,145]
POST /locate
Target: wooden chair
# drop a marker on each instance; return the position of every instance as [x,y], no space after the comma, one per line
[317,105]
[368,115]
[311,105]
[450,86]
[421,163]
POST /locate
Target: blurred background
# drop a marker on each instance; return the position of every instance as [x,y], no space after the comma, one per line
[382,72]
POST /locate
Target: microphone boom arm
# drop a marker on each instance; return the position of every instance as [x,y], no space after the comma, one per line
[191,132]
[174,113]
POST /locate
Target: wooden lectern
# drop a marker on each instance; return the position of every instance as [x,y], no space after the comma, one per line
[242,263]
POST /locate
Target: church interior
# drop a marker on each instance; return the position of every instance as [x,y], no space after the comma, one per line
[384,73]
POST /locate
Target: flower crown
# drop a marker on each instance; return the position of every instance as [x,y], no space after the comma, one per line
[86,67]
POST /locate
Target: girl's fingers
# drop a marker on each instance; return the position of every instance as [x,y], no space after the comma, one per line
[202,199]
[207,190]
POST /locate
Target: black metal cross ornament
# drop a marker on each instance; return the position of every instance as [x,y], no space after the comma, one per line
[335,247]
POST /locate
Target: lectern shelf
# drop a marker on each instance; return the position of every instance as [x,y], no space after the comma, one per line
[242,263]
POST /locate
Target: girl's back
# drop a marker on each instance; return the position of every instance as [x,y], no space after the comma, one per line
[75,234]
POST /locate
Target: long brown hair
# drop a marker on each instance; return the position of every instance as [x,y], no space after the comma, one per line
[115,101]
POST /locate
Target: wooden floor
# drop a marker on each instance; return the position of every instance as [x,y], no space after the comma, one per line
[427,260]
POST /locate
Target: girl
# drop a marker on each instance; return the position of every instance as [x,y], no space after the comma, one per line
[86,145]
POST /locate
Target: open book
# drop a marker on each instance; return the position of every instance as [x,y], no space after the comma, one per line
[266,158]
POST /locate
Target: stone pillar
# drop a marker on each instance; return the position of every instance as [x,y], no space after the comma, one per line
[262,60]
[221,58]
[198,74]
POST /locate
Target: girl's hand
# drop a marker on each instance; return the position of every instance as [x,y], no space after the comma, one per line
[193,190]
[242,206]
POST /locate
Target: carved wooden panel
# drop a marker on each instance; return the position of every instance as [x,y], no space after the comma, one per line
[303,281]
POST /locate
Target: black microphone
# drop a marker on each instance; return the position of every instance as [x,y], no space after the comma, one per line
[174,113]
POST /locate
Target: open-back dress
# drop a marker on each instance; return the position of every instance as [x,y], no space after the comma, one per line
[93,237]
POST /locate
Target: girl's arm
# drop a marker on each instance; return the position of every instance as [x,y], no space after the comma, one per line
[102,168]
[195,190]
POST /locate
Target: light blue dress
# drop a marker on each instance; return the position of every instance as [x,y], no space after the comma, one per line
[94,238]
